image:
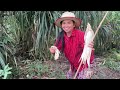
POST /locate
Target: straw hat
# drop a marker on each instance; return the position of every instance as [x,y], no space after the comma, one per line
[68,16]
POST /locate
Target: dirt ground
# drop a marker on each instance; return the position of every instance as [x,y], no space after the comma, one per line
[103,72]
[100,72]
[61,66]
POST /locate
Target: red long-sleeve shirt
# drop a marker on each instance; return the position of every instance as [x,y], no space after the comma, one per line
[74,47]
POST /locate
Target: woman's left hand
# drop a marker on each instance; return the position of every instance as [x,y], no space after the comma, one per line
[91,45]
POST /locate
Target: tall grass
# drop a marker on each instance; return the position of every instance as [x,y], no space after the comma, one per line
[33,32]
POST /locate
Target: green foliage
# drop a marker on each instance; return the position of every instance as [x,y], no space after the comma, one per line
[36,68]
[2,61]
[114,20]
[31,33]
[41,70]
[46,33]
[112,59]
[58,73]
[5,72]
[7,43]
[34,31]
[24,20]
[7,54]
[110,63]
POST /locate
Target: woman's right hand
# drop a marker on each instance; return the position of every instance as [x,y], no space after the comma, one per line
[52,49]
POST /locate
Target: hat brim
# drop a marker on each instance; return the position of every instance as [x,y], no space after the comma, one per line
[76,20]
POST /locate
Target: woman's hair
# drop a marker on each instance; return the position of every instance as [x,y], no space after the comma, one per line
[61,38]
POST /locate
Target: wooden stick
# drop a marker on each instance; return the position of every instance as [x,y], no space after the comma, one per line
[92,40]
[100,25]
[77,70]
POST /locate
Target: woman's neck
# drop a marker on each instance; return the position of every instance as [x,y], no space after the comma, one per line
[69,33]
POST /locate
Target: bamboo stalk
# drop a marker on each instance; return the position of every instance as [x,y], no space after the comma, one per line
[92,40]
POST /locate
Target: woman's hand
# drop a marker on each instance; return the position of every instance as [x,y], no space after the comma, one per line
[91,45]
[52,49]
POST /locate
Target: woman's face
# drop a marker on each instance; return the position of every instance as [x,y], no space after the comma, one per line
[67,25]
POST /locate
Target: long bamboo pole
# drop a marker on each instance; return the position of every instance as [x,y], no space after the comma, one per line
[92,40]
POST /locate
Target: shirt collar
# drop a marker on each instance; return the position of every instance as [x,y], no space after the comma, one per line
[73,33]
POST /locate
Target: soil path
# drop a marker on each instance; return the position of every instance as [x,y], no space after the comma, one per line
[100,72]
[59,68]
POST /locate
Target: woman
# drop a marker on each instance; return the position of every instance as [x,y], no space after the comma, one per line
[71,42]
